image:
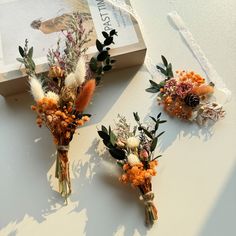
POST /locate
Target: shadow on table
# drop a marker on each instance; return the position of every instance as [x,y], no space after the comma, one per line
[25,161]
[108,92]
[125,213]
[221,220]
[176,128]
[26,190]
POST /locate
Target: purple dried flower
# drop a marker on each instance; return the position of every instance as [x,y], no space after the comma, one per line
[69,37]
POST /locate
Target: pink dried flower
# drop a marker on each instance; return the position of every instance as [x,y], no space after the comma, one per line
[183,89]
[143,154]
[170,86]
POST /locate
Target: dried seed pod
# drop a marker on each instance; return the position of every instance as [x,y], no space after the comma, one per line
[192,100]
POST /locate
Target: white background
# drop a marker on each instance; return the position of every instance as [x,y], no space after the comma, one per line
[195,189]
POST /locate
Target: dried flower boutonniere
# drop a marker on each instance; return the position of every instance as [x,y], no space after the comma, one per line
[63,94]
[186,95]
[134,153]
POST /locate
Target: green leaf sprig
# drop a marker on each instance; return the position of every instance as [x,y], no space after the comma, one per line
[109,140]
[150,134]
[166,71]
[27,58]
[103,62]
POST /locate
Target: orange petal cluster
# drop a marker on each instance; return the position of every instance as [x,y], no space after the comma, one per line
[177,107]
[190,76]
[61,122]
[137,174]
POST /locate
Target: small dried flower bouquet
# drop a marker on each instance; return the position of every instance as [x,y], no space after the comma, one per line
[134,152]
[62,95]
[186,95]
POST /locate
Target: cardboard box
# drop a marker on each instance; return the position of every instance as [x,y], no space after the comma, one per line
[129,49]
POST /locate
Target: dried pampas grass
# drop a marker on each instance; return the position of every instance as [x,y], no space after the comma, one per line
[36,88]
[70,80]
[80,71]
[74,80]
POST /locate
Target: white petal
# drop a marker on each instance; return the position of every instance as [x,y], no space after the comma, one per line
[133,142]
[133,159]
[53,96]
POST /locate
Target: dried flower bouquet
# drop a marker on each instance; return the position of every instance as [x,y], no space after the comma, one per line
[63,94]
[134,153]
[186,95]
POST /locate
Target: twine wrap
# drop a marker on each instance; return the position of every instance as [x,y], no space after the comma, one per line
[150,209]
[63,147]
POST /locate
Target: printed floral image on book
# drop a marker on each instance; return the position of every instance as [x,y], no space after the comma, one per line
[62,94]
[133,149]
[186,95]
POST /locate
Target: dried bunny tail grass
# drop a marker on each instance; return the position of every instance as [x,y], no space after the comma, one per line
[80,71]
[73,80]
[36,88]
[53,96]
[203,90]
[85,95]
[70,80]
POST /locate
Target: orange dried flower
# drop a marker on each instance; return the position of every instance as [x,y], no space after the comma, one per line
[85,95]
[136,174]
[203,90]
[85,118]
[80,122]
[55,72]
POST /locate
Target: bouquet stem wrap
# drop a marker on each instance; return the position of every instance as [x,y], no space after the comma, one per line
[148,197]
[62,170]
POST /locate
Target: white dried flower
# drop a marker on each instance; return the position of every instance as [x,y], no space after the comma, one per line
[120,144]
[70,81]
[36,88]
[132,142]
[80,71]
[133,159]
[52,96]
[210,112]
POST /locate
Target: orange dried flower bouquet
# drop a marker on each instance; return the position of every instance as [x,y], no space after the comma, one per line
[186,95]
[63,94]
[134,152]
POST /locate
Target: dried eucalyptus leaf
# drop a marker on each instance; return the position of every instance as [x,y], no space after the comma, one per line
[102,56]
[99,45]
[164,61]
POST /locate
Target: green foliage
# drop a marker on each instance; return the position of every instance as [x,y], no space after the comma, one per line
[152,135]
[109,140]
[103,62]
[148,136]
[27,58]
[166,71]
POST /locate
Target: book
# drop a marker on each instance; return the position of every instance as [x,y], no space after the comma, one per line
[42,24]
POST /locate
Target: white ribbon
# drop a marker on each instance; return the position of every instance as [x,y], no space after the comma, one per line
[199,54]
[223,92]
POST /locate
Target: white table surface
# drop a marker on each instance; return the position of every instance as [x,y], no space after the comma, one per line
[195,189]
